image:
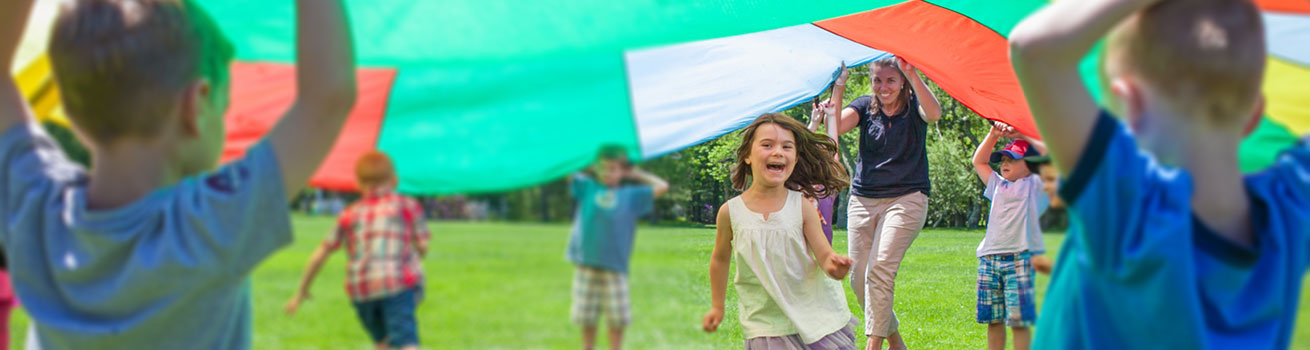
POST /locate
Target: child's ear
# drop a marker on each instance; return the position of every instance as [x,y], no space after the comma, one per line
[1257,114]
[194,102]
[1129,100]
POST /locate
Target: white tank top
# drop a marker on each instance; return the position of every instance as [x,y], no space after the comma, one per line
[781,290]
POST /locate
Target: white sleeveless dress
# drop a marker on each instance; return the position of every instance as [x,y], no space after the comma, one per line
[781,290]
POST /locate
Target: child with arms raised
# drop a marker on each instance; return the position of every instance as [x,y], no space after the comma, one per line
[1170,246]
[1006,296]
[785,301]
[601,243]
[825,113]
[153,246]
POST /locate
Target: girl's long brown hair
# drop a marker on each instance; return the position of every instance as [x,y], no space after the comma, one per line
[815,159]
[906,89]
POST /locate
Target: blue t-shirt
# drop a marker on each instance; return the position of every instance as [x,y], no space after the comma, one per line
[606,223]
[169,271]
[893,152]
[1139,271]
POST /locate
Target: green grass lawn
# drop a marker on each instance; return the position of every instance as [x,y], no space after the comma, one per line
[507,286]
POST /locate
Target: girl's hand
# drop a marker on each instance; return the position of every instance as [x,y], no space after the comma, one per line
[837,266]
[828,108]
[712,319]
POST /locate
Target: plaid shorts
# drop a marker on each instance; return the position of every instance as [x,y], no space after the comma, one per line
[597,291]
[1005,290]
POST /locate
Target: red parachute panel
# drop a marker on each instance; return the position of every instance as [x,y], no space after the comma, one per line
[262,93]
[967,59]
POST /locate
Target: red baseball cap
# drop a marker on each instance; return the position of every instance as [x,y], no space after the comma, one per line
[1019,149]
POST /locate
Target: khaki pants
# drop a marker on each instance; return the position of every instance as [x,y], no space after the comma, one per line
[880,230]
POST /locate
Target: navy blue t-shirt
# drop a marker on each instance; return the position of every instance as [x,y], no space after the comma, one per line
[893,153]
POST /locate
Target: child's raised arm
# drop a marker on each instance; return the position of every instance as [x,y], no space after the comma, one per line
[830,119]
[836,100]
[1045,50]
[325,80]
[659,186]
[13,18]
[833,106]
[835,265]
[1010,132]
[1039,145]
[816,117]
[720,259]
[984,151]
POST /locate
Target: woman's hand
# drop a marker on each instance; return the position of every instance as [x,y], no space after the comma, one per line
[844,74]
[907,68]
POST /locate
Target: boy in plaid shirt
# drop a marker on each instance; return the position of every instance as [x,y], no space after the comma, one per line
[386,238]
[601,243]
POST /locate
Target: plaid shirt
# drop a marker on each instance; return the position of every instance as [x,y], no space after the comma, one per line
[382,232]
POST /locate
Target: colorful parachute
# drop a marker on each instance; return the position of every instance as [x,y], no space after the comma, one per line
[476,95]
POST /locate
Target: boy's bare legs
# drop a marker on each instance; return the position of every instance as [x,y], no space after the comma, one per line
[616,338]
[1023,336]
[996,336]
[588,337]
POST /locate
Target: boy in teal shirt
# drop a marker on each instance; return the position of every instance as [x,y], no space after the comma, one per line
[601,242]
[1170,246]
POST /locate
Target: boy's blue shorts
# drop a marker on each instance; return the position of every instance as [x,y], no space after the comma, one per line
[391,318]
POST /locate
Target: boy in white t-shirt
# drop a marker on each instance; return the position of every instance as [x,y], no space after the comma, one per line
[1006,296]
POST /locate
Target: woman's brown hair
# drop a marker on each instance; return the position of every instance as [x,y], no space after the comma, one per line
[815,163]
[906,89]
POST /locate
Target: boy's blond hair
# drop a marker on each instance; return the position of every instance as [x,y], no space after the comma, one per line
[374,169]
[122,65]
[1206,56]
